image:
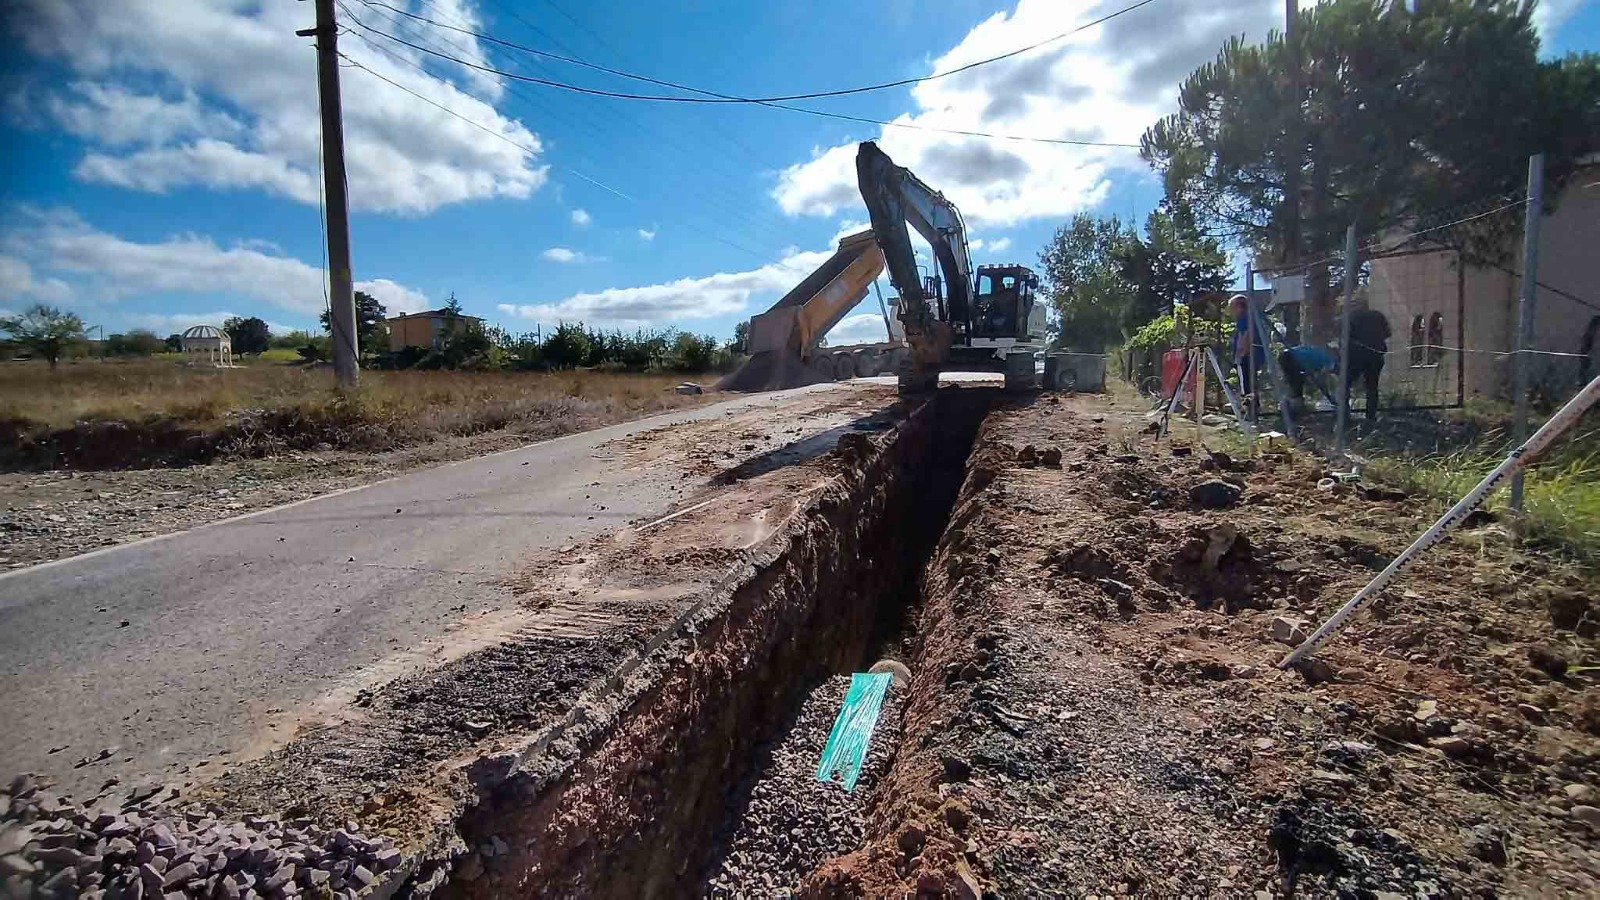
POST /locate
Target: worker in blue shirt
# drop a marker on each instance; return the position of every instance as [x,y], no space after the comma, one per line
[1247,363]
[1307,362]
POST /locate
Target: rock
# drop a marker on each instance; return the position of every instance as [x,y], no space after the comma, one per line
[1286,630]
[1530,712]
[956,769]
[14,864]
[1452,746]
[1588,815]
[688,387]
[957,816]
[911,839]
[1050,457]
[1547,661]
[967,886]
[1579,793]
[1426,710]
[1488,843]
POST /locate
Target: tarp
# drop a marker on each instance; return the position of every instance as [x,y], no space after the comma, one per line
[852,730]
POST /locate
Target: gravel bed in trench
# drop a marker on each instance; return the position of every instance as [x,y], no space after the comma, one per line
[789,822]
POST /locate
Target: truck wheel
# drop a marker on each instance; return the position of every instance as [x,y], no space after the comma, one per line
[844,368]
[867,364]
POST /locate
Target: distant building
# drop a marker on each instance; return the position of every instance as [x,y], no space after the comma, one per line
[1452,327]
[422,329]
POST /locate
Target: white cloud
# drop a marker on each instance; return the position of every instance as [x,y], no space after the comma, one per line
[226,97]
[863,328]
[103,266]
[1107,83]
[565,256]
[999,245]
[17,282]
[647,234]
[673,302]
[1551,14]
[581,217]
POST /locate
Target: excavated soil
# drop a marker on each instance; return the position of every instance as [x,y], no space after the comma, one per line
[1096,709]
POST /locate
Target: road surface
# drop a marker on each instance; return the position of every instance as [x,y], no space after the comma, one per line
[153,657]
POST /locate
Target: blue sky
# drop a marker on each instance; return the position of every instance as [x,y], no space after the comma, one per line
[162,165]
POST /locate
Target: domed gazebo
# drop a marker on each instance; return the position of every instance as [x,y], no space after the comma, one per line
[207,345]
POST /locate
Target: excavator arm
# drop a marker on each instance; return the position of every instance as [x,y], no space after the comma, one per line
[895,197]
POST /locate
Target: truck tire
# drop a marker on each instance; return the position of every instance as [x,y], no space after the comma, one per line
[866,363]
[844,367]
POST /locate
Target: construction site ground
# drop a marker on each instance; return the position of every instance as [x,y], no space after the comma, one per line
[1091,620]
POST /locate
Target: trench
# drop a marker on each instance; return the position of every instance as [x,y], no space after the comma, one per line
[694,779]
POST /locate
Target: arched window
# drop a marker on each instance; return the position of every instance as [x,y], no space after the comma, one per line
[1417,342]
[1435,338]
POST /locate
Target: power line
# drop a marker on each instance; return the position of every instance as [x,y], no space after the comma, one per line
[734,208]
[712,97]
[731,98]
[735,245]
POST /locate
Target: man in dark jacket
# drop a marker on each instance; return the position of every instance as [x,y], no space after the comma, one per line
[1369,341]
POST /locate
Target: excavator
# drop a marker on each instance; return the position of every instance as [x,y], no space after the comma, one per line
[955,319]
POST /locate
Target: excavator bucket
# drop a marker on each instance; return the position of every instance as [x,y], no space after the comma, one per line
[784,338]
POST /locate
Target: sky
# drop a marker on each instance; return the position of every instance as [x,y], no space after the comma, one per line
[162,159]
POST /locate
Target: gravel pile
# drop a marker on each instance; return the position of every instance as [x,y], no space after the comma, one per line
[52,847]
[790,822]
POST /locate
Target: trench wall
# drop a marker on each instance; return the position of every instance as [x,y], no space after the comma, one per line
[634,809]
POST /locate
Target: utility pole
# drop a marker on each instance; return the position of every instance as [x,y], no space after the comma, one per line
[342,311]
[1530,287]
[1293,144]
[1344,338]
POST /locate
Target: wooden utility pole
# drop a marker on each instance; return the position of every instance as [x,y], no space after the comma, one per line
[341,299]
[1530,289]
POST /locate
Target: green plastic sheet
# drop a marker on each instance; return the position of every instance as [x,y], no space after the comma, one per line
[852,730]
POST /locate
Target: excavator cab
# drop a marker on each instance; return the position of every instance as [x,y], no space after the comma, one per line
[1003,302]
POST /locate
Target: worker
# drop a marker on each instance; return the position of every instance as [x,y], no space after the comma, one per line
[1369,341]
[1247,362]
[1307,362]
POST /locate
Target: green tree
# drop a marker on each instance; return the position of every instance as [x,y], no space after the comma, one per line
[567,346]
[1172,263]
[741,337]
[248,335]
[137,342]
[174,343]
[1401,116]
[1083,282]
[44,330]
[372,326]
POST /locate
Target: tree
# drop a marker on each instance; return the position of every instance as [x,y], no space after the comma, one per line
[741,337]
[372,327]
[1402,117]
[1084,283]
[567,346]
[248,335]
[174,343]
[137,342]
[44,330]
[1172,263]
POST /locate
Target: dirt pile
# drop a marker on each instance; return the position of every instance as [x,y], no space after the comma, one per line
[1097,710]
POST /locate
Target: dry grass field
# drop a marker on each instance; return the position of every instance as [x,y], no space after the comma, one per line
[116,414]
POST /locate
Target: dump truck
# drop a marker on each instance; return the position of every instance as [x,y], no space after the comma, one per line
[785,342]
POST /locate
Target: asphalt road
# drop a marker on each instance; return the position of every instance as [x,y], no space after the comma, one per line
[176,649]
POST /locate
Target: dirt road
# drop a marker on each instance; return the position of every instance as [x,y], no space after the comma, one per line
[144,661]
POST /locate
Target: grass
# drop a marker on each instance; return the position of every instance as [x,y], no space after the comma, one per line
[1561,499]
[263,406]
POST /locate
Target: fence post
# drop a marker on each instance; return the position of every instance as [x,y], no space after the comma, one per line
[1525,308]
[1343,414]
